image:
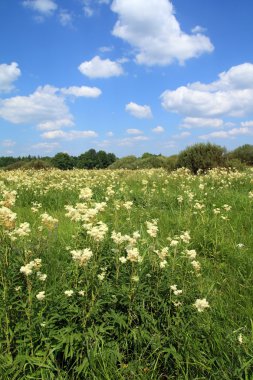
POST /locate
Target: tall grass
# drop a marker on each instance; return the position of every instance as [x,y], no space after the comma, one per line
[103,305]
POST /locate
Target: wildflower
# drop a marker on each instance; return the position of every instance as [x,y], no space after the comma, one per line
[81,293]
[185,237]
[174,243]
[152,228]
[101,276]
[133,255]
[85,194]
[41,295]
[48,221]
[240,245]
[135,278]
[69,293]
[196,265]
[41,276]
[191,253]
[201,304]
[163,264]
[123,259]
[128,205]
[177,303]
[175,290]
[240,338]
[81,256]
[163,253]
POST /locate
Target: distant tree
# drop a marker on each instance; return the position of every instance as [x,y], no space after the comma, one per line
[111,158]
[243,153]
[128,162]
[87,160]
[102,159]
[62,161]
[202,156]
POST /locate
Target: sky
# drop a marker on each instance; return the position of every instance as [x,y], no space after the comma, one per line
[124,76]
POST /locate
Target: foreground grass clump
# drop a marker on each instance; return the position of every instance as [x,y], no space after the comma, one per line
[126,275]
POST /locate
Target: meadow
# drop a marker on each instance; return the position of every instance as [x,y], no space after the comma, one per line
[114,275]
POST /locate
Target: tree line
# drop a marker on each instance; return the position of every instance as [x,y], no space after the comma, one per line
[201,156]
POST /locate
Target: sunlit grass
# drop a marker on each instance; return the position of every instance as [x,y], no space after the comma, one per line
[144,275]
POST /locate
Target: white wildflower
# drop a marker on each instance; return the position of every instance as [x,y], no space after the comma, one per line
[201,304]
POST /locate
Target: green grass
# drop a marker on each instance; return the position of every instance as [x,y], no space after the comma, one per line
[128,325]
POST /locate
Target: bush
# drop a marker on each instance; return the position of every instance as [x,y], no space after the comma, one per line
[202,157]
[243,153]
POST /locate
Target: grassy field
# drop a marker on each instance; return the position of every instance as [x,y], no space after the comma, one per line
[126,275]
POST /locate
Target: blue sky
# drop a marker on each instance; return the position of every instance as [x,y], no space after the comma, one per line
[125,76]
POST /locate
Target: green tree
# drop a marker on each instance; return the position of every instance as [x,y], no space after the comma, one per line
[243,153]
[202,156]
[62,161]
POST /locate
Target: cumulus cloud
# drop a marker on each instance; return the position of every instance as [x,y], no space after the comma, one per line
[71,135]
[65,17]
[45,7]
[182,135]
[134,131]
[232,133]
[41,106]
[8,75]
[88,92]
[248,123]
[230,95]
[151,28]
[46,107]
[101,68]
[141,112]
[55,124]
[158,129]
[8,143]
[130,141]
[201,122]
[45,147]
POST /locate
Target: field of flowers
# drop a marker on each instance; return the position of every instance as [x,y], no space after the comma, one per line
[114,275]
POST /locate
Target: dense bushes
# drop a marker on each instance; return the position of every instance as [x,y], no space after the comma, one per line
[202,157]
[243,153]
[196,157]
[146,161]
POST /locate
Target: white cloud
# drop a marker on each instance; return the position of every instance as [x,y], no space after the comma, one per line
[8,75]
[71,135]
[248,123]
[198,29]
[151,27]
[182,135]
[141,112]
[232,133]
[110,134]
[130,141]
[158,129]
[56,124]
[101,68]
[201,122]
[106,49]
[8,143]
[46,107]
[45,147]
[45,7]
[134,131]
[88,92]
[65,18]
[231,95]
[42,106]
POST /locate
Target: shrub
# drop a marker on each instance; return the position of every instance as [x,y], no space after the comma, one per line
[243,153]
[202,156]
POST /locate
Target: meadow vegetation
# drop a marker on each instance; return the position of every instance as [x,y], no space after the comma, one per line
[121,274]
